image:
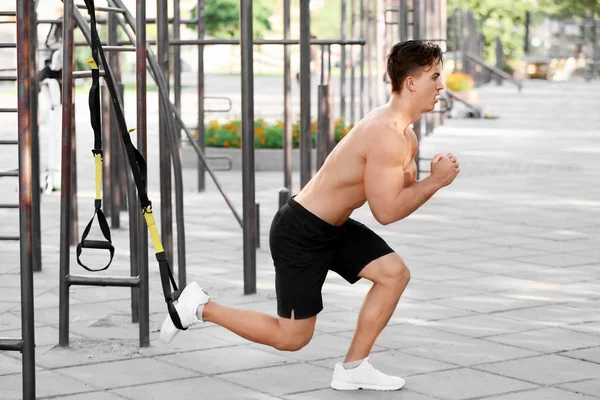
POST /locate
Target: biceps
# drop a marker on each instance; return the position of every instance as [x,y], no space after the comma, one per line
[382,184]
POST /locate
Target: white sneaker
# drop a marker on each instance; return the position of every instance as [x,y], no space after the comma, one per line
[190,299]
[365,376]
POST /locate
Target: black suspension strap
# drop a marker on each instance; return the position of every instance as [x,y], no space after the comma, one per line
[97,151]
[138,167]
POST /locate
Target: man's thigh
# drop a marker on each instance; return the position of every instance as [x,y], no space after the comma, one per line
[359,246]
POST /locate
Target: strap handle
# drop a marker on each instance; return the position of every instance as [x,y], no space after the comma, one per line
[96,244]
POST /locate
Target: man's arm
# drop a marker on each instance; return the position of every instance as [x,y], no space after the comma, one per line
[388,198]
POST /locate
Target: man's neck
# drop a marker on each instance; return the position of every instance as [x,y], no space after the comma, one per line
[403,111]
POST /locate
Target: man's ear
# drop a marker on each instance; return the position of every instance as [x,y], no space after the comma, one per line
[410,84]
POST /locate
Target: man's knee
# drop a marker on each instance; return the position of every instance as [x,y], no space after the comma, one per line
[293,343]
[389,269]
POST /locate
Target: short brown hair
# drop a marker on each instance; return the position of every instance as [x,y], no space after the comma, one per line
[407,58]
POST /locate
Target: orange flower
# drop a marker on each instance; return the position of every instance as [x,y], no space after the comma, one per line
[263,141]
[226,144]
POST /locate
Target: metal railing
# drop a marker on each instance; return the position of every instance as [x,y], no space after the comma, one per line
[25,24]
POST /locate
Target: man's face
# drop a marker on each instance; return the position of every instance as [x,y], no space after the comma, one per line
[428,86]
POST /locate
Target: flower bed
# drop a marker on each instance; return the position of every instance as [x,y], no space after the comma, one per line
[266,135]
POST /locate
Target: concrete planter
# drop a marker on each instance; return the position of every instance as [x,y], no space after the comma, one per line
[264,159]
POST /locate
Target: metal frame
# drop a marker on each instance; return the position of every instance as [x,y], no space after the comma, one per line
[138,281]
[28,201]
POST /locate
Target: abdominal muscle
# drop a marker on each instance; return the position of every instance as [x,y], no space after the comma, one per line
[338,187]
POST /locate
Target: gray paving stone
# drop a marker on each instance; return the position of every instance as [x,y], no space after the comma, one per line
[9,365]
[545,393]
[426,291]
[587,327]
[545,370]
[481,325]
[116,374]
[590,387]
[411,311]
[92,396]
[467,352]
[559,260]
[487,303]
[287,379]
[548,340]
[590,354]
[192,388]
[552,315]
[87,351]
[227,359]
[442,273]
[464,383]
[48,383]
[330,394]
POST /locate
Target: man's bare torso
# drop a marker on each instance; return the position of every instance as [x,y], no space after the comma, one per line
[337,189]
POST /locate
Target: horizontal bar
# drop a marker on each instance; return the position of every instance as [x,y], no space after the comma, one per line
[107,9]
[9,173]
[84,74]
[7,22]
[9,206]
[10,238]
[8,14]
[9,142]
[171,20]
[8,110]
[119,48]
[11,344]
[60,21]
[117,281]
[8,78]
[8,45]
[182,42]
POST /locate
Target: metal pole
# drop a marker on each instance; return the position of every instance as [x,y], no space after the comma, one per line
[36,244]
[74,218]
[343,64]
[305,123]
[248,147]
[140,76]
[24,10]
[325,122]
[370,39]
[114,150]
[287,102]
[362,60]
[177,56]
[352,69]
[380,29]
[166,208]
[201,139]
[118,162]
[133,221]
[65,193]
[140,58]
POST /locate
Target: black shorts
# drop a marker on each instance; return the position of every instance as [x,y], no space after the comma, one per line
[304,248]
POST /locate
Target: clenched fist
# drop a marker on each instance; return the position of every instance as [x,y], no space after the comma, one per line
[444,169]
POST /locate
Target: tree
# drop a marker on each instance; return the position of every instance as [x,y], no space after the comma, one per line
[506,19]
[222,18]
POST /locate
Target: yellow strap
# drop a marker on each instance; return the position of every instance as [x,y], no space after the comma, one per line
[98,159]
[158,247]
[90,60]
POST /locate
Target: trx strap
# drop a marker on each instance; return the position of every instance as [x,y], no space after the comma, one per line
[94,104]
[137,163]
